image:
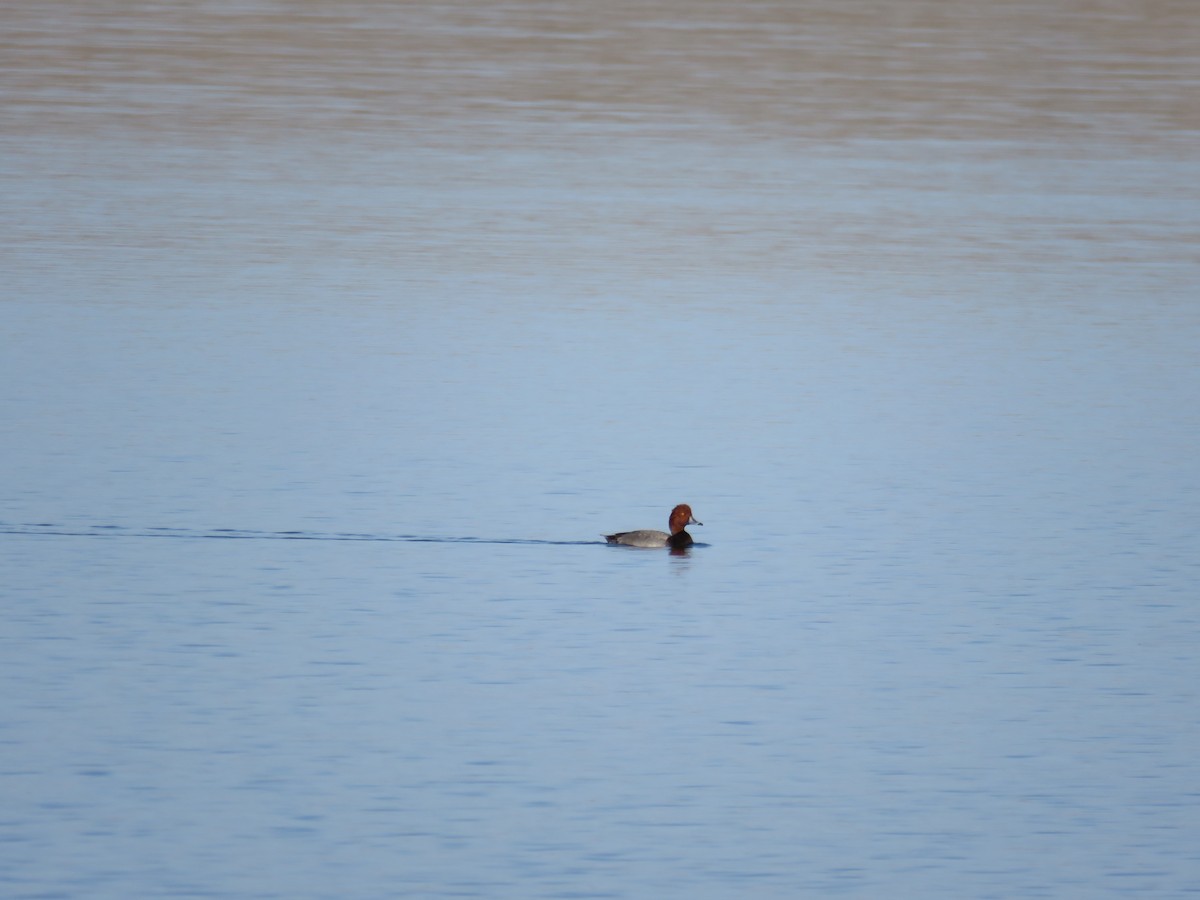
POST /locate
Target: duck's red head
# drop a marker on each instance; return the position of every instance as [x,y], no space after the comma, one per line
[681,518]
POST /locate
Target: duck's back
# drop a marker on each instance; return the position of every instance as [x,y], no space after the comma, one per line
[645,538]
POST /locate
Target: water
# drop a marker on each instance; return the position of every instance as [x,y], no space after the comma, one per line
[335,337]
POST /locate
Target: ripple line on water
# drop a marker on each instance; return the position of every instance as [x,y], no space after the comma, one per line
[110,531]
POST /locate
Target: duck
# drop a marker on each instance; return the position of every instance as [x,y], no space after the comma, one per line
[681,517]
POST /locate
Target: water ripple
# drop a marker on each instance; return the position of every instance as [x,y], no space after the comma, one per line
[52,529]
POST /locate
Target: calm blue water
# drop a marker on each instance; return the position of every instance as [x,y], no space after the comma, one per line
[333,342]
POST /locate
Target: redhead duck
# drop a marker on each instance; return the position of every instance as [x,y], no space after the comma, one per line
[681,518]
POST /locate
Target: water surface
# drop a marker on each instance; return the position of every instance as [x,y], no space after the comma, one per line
[336,336]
